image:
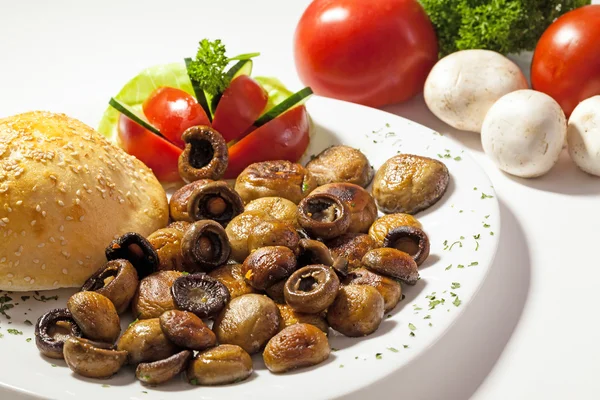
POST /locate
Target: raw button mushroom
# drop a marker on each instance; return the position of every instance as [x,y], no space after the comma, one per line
[524,133]
[583,135]
[461,87]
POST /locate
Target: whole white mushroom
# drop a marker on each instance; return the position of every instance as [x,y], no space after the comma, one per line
[524,132]
[462,86]
[583,135]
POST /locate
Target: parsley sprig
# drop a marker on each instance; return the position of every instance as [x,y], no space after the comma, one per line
[208,68]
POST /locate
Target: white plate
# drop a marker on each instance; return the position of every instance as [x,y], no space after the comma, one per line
[468,210]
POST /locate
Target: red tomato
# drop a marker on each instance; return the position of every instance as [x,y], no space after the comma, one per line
[284,138]
[566,62]
[154,151]
[172,111]
[241,104]
[367,52]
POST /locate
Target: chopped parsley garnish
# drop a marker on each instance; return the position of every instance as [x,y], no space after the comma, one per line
[389,316]
[456,301]
[5,305]
[304,186]
[379,356]
[486,225]
[416,307]
[486,196]
[492,233]
[473,264]
[460,266]
[475,188]
[412,334]
[455,285]
[334,349]
[14,331]
[184,273]
[428,316]
[457,158]
[393,349]
[143,391]
[133,322]
[462,238]
[405,346]
[452,245]
[341,365]
[1,335]
[44,299]
[430,324]
[434,303]
[28,340]
[104,385]
[448,267]
[27,322]
[411,327]
[476,237]
[25,298]
[53,365]
[194,381]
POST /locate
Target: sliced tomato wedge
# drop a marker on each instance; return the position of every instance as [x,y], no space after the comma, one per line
[157,153]
[172,111]
[241,104]
[284,138]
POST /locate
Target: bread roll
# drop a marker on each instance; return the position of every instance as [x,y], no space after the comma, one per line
[65,193]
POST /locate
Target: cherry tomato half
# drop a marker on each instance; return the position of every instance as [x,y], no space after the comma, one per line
[241,104]
[368,52]
[566,62]
[172,111]
[154,151]
[284,138]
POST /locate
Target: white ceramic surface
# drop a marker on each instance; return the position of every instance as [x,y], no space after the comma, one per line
[463,228]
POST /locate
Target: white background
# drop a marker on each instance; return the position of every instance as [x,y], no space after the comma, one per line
[533,330]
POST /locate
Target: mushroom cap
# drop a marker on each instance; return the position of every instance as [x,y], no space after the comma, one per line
[524,133]
[66,192]
[583,135]
[462,86]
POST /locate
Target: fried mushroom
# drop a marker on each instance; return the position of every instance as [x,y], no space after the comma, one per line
[220,365]
[276,208]
[389,288]
[93,359]
[53,329]
[297,346]
[153,295]
[357,310]
[232,276]
[248,321]
[408,184]
[95,315]
[351,247]
[341,164]
[161,371]
[383,225]
[275,178]
[117,280]
[205,155]
[361,204]
[144,341]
